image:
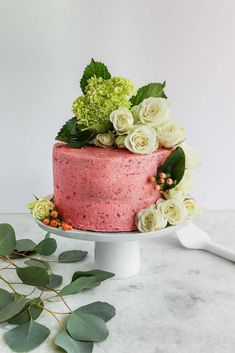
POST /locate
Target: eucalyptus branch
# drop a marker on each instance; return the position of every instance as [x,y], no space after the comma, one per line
[9,284]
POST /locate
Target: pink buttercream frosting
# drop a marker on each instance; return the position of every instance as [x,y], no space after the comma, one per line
[102,189]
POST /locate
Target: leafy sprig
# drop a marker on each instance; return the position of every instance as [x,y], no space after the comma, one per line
[83,326]
[71,134]
[95,68]
[150,90]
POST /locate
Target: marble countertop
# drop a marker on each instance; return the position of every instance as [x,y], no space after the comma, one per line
[182,301]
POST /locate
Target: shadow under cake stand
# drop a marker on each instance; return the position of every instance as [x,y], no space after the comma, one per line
[114,252]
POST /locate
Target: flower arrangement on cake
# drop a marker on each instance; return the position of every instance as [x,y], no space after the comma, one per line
[122,163]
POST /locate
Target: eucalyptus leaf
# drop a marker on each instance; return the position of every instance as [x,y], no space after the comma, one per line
[72,256]
[99,274]
[95,68]
[46,246]
[5,298]
[33,276]
[37,263]
[101,309]
[87,327]
[175,166]
[25,245]
[78,285]
[55,281]
[64,341]
[12,309]
[26,337]
[31,311]
[7,239]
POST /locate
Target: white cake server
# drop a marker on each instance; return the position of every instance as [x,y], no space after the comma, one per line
[192,237]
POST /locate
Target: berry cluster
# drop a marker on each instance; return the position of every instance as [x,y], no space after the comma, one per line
[55,221]
[163,181]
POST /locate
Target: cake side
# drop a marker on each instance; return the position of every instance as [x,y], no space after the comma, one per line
[103,189]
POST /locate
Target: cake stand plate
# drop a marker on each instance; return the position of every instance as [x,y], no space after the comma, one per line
[114,252]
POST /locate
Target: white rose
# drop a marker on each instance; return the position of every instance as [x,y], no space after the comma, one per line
[141,140]
[42,208]
[154,112]
[120,141]
[191,157]
[173,210]
[122,120]
[170,135]
[135,113]
[150,219]
[191,207]
[106,139]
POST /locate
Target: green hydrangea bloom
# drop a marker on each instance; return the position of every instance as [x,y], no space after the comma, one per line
[102,97]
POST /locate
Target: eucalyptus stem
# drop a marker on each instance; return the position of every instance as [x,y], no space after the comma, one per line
[9,284]
[57,294]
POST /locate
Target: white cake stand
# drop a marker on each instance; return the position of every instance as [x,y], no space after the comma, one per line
[114,252]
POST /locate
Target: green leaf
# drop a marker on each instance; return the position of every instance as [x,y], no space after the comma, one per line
[30,311]
[150,90]
[5,298]
[25,245]
[101,309]
[174,165]
[7,239]
[46,246]
[26,337]
[12,309]
[95,68]
[71,134]
[87,327]
[78,285]
[72,256]
[48,235]
[99,274]
[64,341]
[37,263]
[55,281]
[33,276]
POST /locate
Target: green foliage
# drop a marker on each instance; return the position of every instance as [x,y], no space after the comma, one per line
[26,337]
[32,310]
[33,276]
[72,256]
[150,90]
[12,309]
[99,274]
[25,245]
[95,68]
[7,239]
[78,285]
[37,263]
[101,309]
[174,165]
[46,246]
[5,298]
[72,135]
[86,327]
[66,342]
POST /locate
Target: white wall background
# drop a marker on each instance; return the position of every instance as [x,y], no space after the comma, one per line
[44,46]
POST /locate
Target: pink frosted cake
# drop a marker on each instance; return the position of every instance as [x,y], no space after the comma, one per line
[121,163]
[102,189]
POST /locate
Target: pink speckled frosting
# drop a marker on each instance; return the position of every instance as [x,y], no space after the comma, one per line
[102,189]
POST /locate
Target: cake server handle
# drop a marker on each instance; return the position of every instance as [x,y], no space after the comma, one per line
[220,250]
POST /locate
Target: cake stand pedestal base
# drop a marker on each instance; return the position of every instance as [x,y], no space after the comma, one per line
[121,258]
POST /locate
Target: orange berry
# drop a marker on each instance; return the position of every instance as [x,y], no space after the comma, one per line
[158,187]
[152,179]
[162,181]
[53,223]
[65,226]
[46,221]
[169,181]
[162,175]
[54,214]
[70,227]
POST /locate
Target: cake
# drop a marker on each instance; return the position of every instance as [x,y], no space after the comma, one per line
[102,189]
[121,163]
